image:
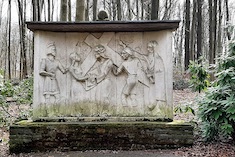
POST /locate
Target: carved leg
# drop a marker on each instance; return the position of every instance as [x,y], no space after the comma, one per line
[47,98]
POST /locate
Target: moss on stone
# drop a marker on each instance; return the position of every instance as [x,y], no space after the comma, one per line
[102,109]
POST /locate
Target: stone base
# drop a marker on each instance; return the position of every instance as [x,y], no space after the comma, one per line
[64,136]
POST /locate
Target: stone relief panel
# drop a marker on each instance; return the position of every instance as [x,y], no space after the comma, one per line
[48,70]
[104,74]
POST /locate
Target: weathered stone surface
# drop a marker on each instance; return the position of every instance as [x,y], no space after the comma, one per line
[104,74]
[40,136]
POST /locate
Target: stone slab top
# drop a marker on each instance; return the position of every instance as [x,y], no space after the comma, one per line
[175,123]
[104,26]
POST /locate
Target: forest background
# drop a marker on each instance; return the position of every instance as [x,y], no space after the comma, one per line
[205,29]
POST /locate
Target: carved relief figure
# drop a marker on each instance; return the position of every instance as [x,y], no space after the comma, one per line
[75,68]
[48,70]
[77,73]
[159,74]
[131,66]
[100,69]
[96,76]
[150,61]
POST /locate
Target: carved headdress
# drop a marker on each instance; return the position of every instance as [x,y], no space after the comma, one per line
[51,49]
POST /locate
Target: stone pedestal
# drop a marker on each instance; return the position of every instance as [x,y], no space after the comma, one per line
[65,136]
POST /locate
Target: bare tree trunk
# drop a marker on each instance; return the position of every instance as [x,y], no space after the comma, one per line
[215,28]
[52,9]
[41,4]
[211,33]
[119,10]
[22,17]
[38,13]
[5,49]
[154,9]
[87,11]
[129,9]
[219,47]
[227,19]
[181,48]
[9,40]
[178,41]
[193,32]
[142,9]
[199,29]
[148,16]
[104,4]
[34,6]
[80,10]
[45,12]
[165,10]
[137,10]
[49,10]
[187,33]
[114,9]
[1,4]
[37,10]
[63,10]
[69,10]
[94,10]
[25,69]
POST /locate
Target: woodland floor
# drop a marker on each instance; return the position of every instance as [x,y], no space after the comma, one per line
[181,98]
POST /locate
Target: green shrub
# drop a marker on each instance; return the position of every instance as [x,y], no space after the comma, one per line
[24,91]
[217,107]
[20,94]
[199,77]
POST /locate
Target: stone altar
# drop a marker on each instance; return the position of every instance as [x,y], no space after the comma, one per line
[101,85]
[103,71]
